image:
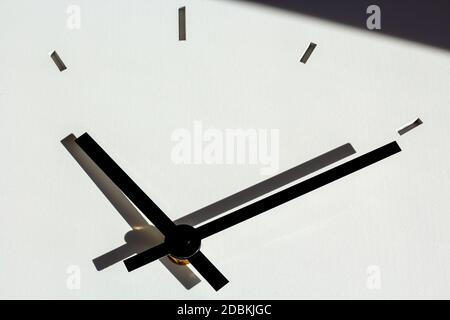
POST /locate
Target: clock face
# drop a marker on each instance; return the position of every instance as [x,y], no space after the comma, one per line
[197,101]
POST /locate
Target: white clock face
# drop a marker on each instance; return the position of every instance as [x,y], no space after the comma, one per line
[141,94]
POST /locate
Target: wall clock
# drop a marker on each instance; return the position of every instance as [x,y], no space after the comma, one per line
[219,112]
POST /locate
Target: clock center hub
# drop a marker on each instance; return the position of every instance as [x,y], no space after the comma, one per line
[184,242]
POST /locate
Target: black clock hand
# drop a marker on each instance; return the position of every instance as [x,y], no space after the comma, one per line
[198,261]
[134,218]
[125,183]
[297,190]
[178,236]
[143,235]
[136,221]
[274,200]
[208,270]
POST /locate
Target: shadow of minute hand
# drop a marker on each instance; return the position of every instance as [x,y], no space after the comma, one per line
[297,190]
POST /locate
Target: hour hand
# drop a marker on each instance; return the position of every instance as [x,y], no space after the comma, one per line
[125,183]
[180,241]
[142,236]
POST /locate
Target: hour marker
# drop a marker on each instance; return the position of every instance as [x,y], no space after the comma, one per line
[57,60]
[308,52]
[409,126]
[182,24]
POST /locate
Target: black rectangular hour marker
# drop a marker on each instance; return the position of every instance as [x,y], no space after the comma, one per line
[409,126]
[182,24]
[57,60]
[308,52]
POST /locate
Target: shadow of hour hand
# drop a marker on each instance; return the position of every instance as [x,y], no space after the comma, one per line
[143,235]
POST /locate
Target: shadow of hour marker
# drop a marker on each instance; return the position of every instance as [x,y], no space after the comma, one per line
[57,60]
[308,52]
[182,24]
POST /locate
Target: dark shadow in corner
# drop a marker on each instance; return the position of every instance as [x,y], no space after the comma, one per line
[423,21]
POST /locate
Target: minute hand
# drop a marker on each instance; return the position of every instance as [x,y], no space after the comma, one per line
[297,190]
